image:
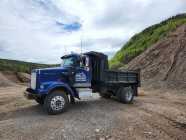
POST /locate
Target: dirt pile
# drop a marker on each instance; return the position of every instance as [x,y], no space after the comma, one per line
[23,77]
[164,61]
[8,78]
[4,81]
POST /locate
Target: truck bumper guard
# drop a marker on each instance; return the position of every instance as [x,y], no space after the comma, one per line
[30,93]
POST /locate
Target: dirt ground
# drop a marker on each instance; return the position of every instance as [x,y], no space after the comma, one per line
[155,114]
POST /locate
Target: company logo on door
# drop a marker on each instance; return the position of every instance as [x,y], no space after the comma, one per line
[80,77]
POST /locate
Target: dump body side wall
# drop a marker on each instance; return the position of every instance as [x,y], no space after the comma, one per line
[113,80]
[118,77]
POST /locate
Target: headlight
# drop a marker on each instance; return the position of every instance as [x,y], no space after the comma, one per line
[42,87]
[33,80]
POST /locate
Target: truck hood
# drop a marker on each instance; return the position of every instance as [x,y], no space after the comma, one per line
[54,74]
[51,70]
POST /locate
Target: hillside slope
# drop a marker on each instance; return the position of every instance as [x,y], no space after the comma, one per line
[141,41]
[19,66]
[10,78]
[4,81]
[165,60]
[13,72]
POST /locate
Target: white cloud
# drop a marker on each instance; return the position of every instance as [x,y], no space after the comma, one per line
[29,29]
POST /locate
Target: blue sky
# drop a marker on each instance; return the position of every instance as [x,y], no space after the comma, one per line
[44,30]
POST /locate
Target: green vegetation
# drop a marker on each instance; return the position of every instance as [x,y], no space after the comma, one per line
[19,66]
[141,41]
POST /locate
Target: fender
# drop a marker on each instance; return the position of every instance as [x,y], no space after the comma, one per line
[50,86]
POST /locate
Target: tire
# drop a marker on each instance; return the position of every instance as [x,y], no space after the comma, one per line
[125,94]
[39,101]
[56,102]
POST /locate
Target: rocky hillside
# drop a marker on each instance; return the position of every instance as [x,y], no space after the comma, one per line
[13,72]
[19,66]
[9,78]
[165,60]
[142,41]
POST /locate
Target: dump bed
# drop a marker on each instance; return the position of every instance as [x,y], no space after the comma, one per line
[125,77]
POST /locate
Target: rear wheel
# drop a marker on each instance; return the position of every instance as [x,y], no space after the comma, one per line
[125,94]
[56,102]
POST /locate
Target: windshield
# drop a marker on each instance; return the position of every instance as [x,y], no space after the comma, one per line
[70,61]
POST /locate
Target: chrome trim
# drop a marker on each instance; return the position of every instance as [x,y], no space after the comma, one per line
[82,85]
[33,80]
[84,93]
[57,103]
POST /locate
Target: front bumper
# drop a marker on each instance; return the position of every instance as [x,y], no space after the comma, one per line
[30,93]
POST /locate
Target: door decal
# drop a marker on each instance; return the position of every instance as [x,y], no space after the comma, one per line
[80,77]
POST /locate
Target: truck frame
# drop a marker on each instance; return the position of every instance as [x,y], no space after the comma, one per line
[55,88]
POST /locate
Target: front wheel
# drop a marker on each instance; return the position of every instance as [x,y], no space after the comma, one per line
[125,94]
[56,102]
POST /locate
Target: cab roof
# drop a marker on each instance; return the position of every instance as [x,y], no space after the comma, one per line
[70,55]
[91,53]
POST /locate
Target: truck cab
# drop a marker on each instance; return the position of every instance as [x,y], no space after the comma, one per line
[78,76]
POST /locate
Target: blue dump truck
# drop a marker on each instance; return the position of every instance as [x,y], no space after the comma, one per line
[80,75]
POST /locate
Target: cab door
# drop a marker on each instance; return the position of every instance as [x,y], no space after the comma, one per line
[83,74]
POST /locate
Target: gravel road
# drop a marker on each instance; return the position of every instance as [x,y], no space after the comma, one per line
[156,115]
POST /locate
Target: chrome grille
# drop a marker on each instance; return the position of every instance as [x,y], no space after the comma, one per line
[33,80]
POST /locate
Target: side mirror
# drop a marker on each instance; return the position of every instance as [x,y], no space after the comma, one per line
[86,61]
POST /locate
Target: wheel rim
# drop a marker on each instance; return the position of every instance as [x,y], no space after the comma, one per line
[57,103]
[128,94]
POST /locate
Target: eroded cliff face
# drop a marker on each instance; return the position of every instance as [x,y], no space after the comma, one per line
[165,60]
